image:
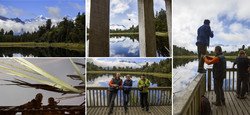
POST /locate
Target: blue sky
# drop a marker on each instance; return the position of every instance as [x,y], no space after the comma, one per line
[123,10]
[26,9]
[123,62]
[230,21]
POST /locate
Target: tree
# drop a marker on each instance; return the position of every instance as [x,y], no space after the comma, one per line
[48,24]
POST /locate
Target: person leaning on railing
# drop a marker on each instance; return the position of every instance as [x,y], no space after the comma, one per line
[114,84]
[242,63]
[143,85]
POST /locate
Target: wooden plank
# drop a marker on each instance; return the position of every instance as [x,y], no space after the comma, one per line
[236,104]
[97,100]
[229,80]
[229,105]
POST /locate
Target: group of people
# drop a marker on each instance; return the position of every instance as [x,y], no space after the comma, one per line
[219,65]
[37,102]
[116,83]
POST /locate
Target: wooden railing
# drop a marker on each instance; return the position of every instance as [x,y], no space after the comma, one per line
[189,102]
[44,110]
[98,96]
[229,82]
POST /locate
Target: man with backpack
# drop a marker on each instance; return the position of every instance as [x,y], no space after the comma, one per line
[143,85]
[114,84]
[126,92]
[219,73]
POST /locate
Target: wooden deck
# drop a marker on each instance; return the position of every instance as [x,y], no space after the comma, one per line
[234,106]
[155,110]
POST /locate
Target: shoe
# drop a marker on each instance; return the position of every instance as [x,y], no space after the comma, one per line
[243,97]
[148,111]
[142,109]
[223,102]
[126,110]
[238,96]
[216,104]
[110,112]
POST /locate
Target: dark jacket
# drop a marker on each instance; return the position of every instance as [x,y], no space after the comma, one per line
[129,84]
[204,32]
[219,69]
[117,82]
[242,65]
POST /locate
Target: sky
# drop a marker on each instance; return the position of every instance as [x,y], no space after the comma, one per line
[124,62]
[27,9]
[123,10]
[230,21]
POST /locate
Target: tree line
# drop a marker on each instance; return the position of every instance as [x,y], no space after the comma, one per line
[70,31]
[181,51]
[164,66]
[160,24]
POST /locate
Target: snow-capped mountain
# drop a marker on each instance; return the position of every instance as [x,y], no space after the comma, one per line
[13,19]
[117,26]
[37,19]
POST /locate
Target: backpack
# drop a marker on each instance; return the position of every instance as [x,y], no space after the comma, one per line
[205,106]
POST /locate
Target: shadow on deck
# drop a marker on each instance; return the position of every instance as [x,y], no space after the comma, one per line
[234,106]
[155,110]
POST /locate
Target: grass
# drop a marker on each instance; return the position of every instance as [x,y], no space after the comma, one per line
[169,75]
[195,56]
[69,46]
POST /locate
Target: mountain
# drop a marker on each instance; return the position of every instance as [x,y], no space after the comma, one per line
[18,20]
[37,19]
[117,26]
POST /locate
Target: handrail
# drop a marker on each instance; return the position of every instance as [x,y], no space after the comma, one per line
[98,96]
[189,103]
[229,82]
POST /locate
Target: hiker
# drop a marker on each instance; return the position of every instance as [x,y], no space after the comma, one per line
[219,73]
[126,92]
[36,103]
[52,102]
[242,63]
[114,84]
[203,38]
[143,85]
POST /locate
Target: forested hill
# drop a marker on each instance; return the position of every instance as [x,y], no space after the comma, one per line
[181,51]
[164,66]
[68,31]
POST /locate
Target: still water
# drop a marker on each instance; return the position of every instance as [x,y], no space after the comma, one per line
[39,52]
[102,80]
[13,95]
[184,71]
[128,46]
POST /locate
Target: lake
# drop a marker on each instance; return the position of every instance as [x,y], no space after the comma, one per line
[13,95]
[128,46]
[102,80]
[185,70]
[39,52]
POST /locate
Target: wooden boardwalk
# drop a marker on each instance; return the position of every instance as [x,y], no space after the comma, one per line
[234,106]
[155,110]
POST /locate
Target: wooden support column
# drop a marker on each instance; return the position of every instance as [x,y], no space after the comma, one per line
[169,23]
[147,37]
[99,28]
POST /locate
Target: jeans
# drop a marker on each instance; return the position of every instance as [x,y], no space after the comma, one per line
[242,80]
[202,49]
[112,96]
[126,97]
[218,84]
[144,100]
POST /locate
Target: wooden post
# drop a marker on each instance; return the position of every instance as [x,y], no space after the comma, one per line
[169,22]
[99,28]
[147,37]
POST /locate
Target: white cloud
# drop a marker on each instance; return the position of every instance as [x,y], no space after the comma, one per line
[3,10]
[54,12]
[132,19]
[77,6]
[11,11]
[119,6]
[189,15]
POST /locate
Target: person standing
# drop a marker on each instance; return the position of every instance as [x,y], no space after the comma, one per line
[203,39]
[219,73]
[127,85]
[143,85]
[242,63]
[114,84]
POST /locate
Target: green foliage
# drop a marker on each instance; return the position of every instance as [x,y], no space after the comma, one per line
[181,51]
[164,66]
[66,31]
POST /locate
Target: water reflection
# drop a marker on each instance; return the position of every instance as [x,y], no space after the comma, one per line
[185,70]
[59,67]
[102,80]
[128,46]
[39,52]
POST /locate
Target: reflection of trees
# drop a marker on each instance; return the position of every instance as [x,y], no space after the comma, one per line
[182,61]
[40,52]
[161,45]
[160,81]
[133,37]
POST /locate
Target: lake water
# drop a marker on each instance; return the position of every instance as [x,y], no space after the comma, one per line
[13,95]
[102,80]
[128,46]
[184,71]
[39,52]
